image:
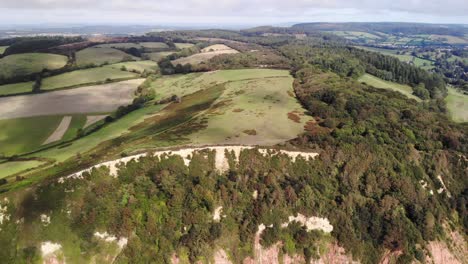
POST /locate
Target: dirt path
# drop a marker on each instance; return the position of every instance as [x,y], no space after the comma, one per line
[59,131]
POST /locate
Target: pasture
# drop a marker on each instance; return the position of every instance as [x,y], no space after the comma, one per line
[138,66]
[91,99]
[157,56]
[85,77]
[2,49]
[29,63]
[379,83]
[258,100]
[141,45]
[457,104]
[205,54]
[184,45]
[10,168]
[99,56]
[16,88]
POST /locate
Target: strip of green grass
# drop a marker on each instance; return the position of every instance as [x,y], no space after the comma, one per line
[2,49]
[13,167]
[139,66]
[84,77]
[379,83]
[457,104]
[16,88]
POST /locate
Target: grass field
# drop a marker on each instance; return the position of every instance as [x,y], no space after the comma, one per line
[259,100]
[156,56]
[184,45]
[22,135]
[379,83]
[139,66]
[406,57]
[2,49]
[28,63]
[148,45]
[457,104]
[206,54]
[16,88]
[26,134]
[85,77]
[10,168]
[100,56]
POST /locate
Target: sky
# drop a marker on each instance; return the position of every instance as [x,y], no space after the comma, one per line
[229,12]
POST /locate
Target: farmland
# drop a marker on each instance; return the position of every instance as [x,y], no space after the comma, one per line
[2,49]
[205,54]
[184,45]
[147,45]
[91,99]
[137,66]
[156,56]
[11,168]
[86,77]
[379,83]
[457,104]
[16,88]
[28,63]
[402,55]
[100,56]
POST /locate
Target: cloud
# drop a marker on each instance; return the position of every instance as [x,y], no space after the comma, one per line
[254,10]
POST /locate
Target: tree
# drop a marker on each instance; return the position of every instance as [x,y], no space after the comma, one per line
[37,84]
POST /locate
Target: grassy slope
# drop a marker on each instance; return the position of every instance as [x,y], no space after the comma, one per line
[156,56]
[26,134]
[379,83]
[457,104]
[99,56]
[139,66]
[87,76]
[11,168]
[16,88]
[2,49]
[28,63]
[23,135]
[257,99]
[184,45]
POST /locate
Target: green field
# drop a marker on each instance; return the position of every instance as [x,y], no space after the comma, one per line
[259,101]
[23,135]
[405,57]
[184,45]
[379,83]
[457,104]
[16,88]
[10,168]
[141,45]
[28,63]
[85,77]
[2,49]
[139,66]
[100,56]
[156,56]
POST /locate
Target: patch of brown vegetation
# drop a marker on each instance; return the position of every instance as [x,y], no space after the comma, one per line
[238,110]
[290,93]
[251,132]
[294,117]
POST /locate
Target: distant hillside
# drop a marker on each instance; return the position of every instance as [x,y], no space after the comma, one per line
[386,27]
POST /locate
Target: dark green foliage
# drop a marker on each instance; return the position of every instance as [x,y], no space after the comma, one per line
[33,44]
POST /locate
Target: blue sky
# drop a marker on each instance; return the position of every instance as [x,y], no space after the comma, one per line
[218,12]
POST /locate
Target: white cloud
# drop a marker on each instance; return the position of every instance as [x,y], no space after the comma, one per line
[234,10]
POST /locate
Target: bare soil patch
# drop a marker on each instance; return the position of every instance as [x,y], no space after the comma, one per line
[294,117]
[90,99]
[93,119]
